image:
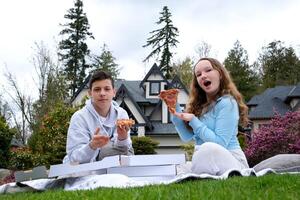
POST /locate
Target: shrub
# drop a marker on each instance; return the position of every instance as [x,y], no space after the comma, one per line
[189,150]
[21,159]
[242,140]
[281,136]
[8,179]
[5,138]
[49,142]
[144,145]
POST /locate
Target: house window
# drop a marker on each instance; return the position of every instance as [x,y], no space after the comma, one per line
[154,88]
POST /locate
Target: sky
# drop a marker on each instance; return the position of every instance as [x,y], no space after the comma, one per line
[124,26]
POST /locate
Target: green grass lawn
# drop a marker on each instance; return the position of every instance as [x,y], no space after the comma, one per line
[266,187]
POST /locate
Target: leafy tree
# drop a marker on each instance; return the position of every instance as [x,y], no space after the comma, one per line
[6,136]
[184,70]
[280,65]
[105,62]
[243,76]
[50,82]
[162,40]
[73,49]
[50,141]
[4,109]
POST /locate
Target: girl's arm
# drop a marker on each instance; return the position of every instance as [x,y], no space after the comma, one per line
[184,133]
[227,117]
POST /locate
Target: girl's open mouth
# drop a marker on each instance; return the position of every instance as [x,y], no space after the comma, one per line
[206,83]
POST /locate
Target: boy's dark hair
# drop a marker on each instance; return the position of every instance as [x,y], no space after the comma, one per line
[99,76]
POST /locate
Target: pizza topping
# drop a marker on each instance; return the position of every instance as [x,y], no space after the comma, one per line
[170,98]
[125,122]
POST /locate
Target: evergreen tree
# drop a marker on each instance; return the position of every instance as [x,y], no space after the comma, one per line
[280,65]
[106,62]
[162,40]
[74,49]
[243,76]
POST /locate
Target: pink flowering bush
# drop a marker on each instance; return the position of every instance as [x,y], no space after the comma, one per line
[281,136]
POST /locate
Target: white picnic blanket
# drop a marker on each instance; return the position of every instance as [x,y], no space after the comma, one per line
[117,181]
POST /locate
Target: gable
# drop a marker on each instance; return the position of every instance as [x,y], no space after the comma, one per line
[154,74]
[123,97]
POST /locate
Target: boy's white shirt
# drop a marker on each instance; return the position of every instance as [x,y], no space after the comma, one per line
[82,127]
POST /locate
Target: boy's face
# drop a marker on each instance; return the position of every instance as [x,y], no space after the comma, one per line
[102,93]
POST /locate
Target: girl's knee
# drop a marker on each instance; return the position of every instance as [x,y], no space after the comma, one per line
[209,147]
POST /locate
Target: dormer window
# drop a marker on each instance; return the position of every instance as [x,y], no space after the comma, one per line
[154,88]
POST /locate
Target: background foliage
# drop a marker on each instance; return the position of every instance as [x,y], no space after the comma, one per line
[144,145]
[48,145]
[6,136]
[281,136]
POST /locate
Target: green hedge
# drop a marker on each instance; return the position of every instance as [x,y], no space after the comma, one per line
[144,145]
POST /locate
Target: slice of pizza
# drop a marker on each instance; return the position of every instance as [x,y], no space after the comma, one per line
[125,122]
[170,98]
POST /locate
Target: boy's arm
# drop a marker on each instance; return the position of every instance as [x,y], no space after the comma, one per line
[78,142]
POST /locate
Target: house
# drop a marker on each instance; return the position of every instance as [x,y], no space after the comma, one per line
[16,144]
[140,99]
[280,99]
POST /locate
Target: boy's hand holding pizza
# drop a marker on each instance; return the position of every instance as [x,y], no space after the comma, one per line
[123,126]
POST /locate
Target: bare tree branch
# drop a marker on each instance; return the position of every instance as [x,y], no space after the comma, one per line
[23,104]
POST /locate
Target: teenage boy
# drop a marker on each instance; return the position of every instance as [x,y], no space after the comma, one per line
[93,134]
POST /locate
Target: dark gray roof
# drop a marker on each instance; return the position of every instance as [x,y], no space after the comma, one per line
[16,143]
[270,101]
[162,129]
[254,100]
[136,92]
[84,85]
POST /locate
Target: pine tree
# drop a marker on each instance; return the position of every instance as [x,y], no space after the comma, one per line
[243,76]
[73,49]
[162,40]
[106,62]
[280,65]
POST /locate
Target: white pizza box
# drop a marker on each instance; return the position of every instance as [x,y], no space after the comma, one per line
[115,161]
[144,171]
[148,160]
[69,169]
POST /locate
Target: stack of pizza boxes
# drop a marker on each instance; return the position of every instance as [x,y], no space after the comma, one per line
[131,166]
